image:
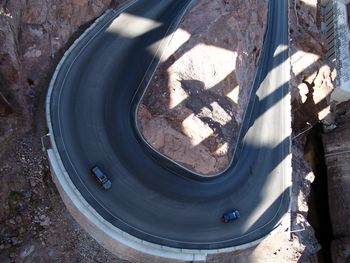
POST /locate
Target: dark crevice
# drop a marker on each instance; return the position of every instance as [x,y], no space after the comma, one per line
[318,215]
[30,82]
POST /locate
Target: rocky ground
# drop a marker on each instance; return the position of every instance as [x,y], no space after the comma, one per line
[33,34]
[312,76]
[34,224]
[194,106]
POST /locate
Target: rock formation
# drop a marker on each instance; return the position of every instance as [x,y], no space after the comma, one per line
[312,75]
[194,106]
[32,36]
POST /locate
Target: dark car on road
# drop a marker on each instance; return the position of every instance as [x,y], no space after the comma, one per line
[101,177]
[231,216]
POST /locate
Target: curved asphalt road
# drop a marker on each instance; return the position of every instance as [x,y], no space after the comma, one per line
[92,109]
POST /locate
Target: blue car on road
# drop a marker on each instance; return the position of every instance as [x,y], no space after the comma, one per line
[231,216]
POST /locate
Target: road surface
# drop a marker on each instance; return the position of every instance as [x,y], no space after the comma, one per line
[92,110]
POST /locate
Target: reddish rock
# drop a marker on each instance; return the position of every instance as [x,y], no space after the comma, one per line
[198,96]
[312,76]
[32,33]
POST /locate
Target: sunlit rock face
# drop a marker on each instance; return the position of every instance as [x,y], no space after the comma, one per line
[312,76]
[194,106]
